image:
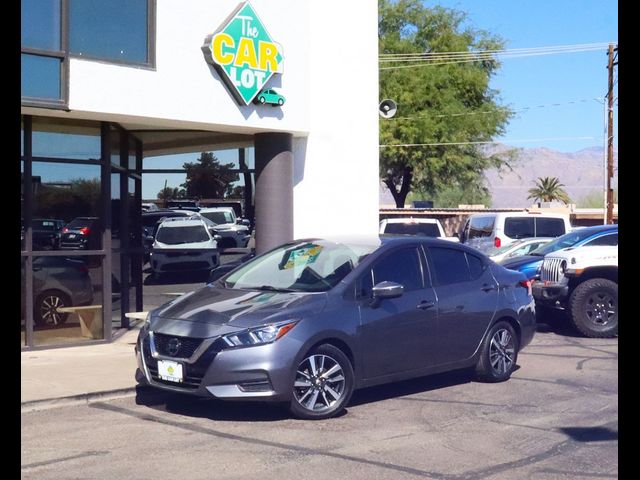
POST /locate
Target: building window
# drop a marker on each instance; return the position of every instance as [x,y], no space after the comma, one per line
[40,24]
[40,77]
[117,30]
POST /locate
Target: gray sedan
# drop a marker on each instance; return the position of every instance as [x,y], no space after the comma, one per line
[309,322]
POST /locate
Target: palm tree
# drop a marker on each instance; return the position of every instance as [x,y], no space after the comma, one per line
[548,189]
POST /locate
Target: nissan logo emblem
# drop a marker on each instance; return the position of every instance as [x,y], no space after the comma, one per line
[173,346]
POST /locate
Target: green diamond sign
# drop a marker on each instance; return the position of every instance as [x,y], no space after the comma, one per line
[243,53]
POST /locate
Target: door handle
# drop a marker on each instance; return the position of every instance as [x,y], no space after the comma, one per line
[487,288]
[423,305]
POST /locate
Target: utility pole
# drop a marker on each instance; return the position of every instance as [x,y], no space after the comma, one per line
[608,219]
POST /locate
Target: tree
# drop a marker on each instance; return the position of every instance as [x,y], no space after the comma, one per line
[169,193]
[595,199]
[446,103]
[548,189]
[208,178]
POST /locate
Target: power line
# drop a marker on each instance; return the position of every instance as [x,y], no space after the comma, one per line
[437,144]
[445,59]
[487,112]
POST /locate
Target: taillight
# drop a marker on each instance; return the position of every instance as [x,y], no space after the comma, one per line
[83,269]
[526,284]
[497,242]
[85,230]
[64,230]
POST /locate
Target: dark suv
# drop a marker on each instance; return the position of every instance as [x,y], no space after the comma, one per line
[82,233]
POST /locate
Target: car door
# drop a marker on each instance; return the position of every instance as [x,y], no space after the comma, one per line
[467,296]
[399,334]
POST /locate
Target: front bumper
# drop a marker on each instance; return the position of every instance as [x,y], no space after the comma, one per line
[252,373]
[549,293]
[165,260]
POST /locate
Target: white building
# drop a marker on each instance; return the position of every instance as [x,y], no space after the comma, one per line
[106,84]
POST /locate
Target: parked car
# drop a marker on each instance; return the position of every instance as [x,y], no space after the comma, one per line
[485,230]
[517,248]
[183,205]
[596,235]
[310,321]
[45,233]
[57,282]
[183,244]
[149,207]
[150,222]
[225,223]
[583,281]
[82,233]
[428,227]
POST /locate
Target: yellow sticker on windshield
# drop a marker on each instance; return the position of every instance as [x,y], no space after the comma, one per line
[303,256]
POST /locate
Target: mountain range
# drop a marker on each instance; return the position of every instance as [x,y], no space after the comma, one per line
[581,172]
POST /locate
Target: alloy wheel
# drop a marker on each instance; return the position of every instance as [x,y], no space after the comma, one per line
[600,308]
[319,383]
[502,351]
[49,310]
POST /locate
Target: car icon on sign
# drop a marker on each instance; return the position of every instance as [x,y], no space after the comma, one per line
[269,96]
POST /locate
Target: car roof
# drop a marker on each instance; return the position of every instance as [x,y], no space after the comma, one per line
[181,221]
[216,209]
[411,220]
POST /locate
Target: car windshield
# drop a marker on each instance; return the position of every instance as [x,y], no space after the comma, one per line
[504,248]
[219,217]
[565,241]
[313,266]
[179,235]
[424,229]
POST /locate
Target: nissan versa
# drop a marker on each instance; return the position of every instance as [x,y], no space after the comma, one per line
[310,321]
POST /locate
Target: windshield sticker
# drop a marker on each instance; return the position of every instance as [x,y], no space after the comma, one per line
[302,256]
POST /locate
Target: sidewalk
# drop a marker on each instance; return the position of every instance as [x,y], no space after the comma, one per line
[74,375]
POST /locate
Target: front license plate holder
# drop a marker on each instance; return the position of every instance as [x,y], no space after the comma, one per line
[170,371]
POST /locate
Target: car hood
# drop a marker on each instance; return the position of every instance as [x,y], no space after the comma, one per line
[513,263]
[214,311]
[183,246]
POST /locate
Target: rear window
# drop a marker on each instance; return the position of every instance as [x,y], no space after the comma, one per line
[81,222]
[549,227]
[519,227]
[423,229]
[220,217]
[480,227]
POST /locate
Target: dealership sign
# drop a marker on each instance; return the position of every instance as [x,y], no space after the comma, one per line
[243,53]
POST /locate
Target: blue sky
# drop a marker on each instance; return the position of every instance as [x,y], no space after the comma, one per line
[550,79]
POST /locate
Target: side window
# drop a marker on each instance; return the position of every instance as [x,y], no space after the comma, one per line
[476,267]
[480,227]
[450,265]
[549,227]
[364,285]
[519,227]
[605,240]
[402,266]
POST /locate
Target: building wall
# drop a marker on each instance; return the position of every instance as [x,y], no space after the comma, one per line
[330,82]
[336,170]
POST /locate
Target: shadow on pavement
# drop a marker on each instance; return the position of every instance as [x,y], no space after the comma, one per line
[210,408]
[556,322]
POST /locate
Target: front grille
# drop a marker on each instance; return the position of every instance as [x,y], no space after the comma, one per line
[182,254]
[551,270]
[186,349]
[174,267]
[193,372]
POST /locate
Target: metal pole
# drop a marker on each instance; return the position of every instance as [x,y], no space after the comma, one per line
[610,140]
[604,163]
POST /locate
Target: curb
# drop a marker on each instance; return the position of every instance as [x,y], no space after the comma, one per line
[73,400]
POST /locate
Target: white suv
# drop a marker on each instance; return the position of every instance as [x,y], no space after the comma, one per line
[426,227]
[183,244]
[485,230]
[224,222]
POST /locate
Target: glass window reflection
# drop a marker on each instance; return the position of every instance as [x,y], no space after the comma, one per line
[40,77]
[40,24]
[56,138]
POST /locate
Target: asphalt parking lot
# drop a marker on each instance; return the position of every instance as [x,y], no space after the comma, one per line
[557,418]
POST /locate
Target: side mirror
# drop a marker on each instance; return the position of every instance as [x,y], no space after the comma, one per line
[243,221]
[385,290]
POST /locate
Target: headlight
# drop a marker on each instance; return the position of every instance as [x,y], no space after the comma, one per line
[258,336]
[563,267]
[147,321]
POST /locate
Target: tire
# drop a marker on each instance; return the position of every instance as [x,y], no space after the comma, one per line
[594,308]
[261,100]
[316,397]
[499,354]
[45,310]
[280,102]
